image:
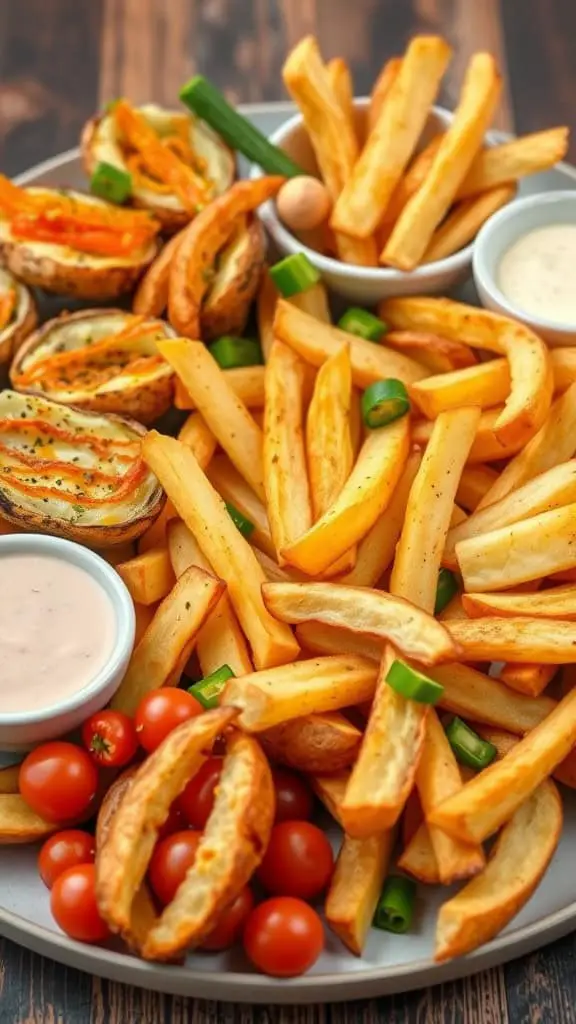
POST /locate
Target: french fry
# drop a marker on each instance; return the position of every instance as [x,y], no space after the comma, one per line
[144,615]
[149,576]
[193,261]
[531,679]
[556,603]
[266,300]
[554,443]
[151,295]
[474,483]
[316,342]
[235,491]
[272,696]
[392,141]
[274,573]
[196,433]
[340,79]
[478,697]
[247,383]
[430,507]
[9,779]
[330,790]
[518,861]
[167,644]
[418,858]
[437,354]
[546,641]
[328,440]
[155,535]
[322,639]
[485,384]
[287,490]
[464,221]
[236,431]
[313,301]
[415,226]
[563,367]
[206,516]
[453,610]
[314,744]
[220,640]
[492,797]
[487,446]
[528,550]
[381,89]
[414,632]
[362,500]
[355,887]
[553,489]
[409,183]
[530,372]
[19,823]
[512,160]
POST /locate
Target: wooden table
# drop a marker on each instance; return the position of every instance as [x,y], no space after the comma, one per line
[59,59]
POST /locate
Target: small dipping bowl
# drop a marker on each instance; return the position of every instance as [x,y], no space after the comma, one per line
[498,234]
[19,731]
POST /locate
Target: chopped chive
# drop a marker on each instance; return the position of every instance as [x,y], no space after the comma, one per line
[294,274]
[245,526]
[395,908]
[412,684]
[230,352]
[363,324]
[207,690]
[383,402]
[111,183]
[470,749]
[446,588]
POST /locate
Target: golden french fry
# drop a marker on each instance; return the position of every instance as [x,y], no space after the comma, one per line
[361,610]
[154,537]
[392,141]
[272,696]
[247,383]
[167,644]
[284,459]
[362,500]
[478,697]
[530,371]
[429,507]
[265,309]
[531,679]
[355,887]
[340,79]
[563,367]
[415,226]
[464,222]
[328,440]
[474,483]
[557,603]
[144,615]
[485,384]
[196,433]
[418,858]
[486,446]
[148,576]
[330,790]
[234,490]
[315,743]
[313,301]
[453,610]
[546,641]
[437,354]
[409,183]
[203,511]
[273,572]
[151,295]
[322,639]
[9,779]
[381,89]
[515,159]
[19,823]
[315,342]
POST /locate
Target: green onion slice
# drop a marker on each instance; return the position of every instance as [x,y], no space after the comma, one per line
[230,352]
[412,684]
[363,324]
[111,183]
[470,749]
[245,526]
[395,908]
[446,588]
[207,691]
[294,274]
[383,402]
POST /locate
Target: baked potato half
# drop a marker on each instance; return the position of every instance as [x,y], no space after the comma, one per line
[236,280]
[18,314]
[192,140]
[73,473]
[105,360]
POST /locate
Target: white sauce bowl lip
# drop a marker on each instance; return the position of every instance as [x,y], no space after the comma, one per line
[491,245]
[288,242]
[125,619]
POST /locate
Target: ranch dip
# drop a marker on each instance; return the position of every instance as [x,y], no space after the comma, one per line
[538,273]
[57,630]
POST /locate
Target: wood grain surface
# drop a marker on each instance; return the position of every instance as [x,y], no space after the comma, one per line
[58,60]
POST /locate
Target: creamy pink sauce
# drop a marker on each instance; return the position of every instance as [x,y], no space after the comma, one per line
[57,630]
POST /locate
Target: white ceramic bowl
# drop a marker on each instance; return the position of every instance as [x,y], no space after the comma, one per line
[499,233]
[363,285]
[19,731]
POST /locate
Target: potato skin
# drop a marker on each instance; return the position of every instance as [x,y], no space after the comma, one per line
[228,313]
[13,336]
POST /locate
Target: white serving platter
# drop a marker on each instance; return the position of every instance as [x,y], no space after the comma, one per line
[391,963]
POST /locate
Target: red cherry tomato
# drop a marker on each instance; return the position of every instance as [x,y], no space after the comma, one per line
[294,799]
[170,861]
[73,905]
[110,738]
[298,861]
[58,780]
[175,822]
[62,851]
[283,937]
[231,922]
[197,800]
[160,711]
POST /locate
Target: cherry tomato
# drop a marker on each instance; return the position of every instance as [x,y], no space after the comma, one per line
[62,851]
[294,799]
[170,861]
[283,937]
[175,822]
[73,905]
[197,800]
[110,738]
[58,780]
[231,922]
[160,711]
[298,861]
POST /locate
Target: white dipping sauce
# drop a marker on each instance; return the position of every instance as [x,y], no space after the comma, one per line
[57,630]
[538,273]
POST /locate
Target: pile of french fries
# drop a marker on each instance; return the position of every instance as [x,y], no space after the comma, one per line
[401,196]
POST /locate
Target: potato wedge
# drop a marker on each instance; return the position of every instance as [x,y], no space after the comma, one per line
[491,798]
[556,603]
[234,490]
[149,576]
[362,500]
[280,694]
[19,823]
[418,858]
[247,382]
[330,790]
[355,887]
[437,354]
[206,516]
[227,303]
[21,319]
[151,295]
[231,848]
[546,641]
[474,483]
[518,861]
[484,384]
[512,160]
[564,368]
[110,804]
[313,744]
[464,221]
